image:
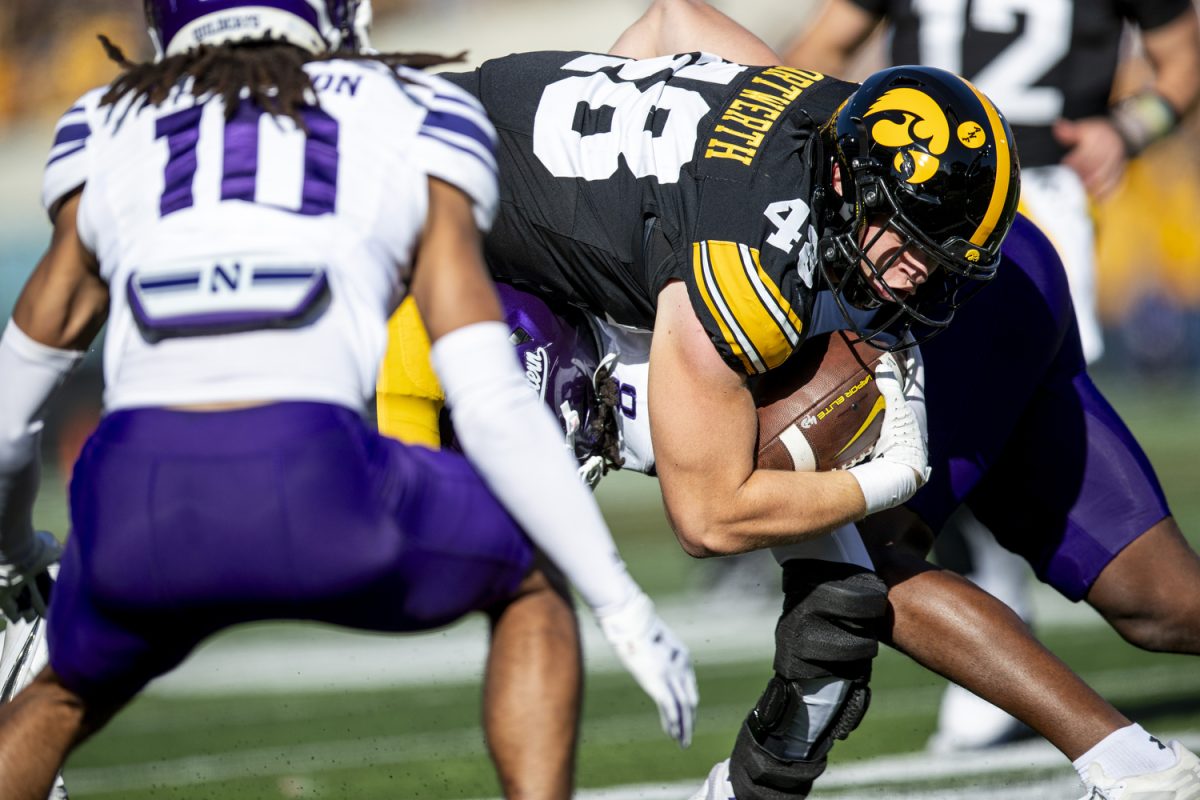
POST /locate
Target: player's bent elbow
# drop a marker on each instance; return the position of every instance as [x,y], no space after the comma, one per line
[701,540]
[702,528]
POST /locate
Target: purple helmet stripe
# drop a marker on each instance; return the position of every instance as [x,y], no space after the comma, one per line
[173,16]
[315,25]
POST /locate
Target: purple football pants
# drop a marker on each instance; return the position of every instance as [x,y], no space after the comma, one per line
[185,523]
[1018,431]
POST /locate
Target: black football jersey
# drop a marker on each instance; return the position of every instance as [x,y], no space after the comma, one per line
[618,176]
[1037,60]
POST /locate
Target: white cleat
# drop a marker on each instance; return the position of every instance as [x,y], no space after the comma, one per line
[1180,782]
[716,785]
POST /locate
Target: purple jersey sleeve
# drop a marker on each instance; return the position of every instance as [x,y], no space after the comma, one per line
[457,143]
[67,164]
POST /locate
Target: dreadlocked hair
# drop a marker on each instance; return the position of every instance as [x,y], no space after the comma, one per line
[268,73]
[602,428]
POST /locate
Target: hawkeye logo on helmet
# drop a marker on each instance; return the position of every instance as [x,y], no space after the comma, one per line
[920,134]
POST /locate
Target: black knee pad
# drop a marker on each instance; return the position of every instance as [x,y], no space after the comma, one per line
[756,772]
[833,615]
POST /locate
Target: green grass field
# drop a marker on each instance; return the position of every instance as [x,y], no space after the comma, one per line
[423,741]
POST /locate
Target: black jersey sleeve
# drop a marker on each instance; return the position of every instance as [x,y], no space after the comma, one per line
[748,255]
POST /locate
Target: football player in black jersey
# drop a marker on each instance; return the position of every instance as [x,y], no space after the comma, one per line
[1050,65]
[730,212]
[735,211]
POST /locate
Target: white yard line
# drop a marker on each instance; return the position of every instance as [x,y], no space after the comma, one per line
[304,763]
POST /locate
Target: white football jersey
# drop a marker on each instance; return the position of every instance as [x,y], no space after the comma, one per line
[627,351]
[250,259]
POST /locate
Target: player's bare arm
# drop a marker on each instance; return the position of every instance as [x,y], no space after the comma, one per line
[64,303]
[1174,52]
[61,309]
[680,26]
[1101,146]
[835,34]
[704,426]
[450,283]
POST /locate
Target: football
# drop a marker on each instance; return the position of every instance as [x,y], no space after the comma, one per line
[821,409]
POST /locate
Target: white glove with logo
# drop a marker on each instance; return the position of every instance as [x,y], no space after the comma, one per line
[658,661]
[21,597]
[900,462]
[912,364]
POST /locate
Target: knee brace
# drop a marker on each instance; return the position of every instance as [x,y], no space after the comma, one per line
[824,643]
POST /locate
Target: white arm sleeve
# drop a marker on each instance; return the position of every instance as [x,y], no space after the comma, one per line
[29,374]
[515,443]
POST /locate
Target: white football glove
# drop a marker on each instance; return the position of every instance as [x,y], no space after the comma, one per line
[20,596]
[899,464]
[912,364]
[658,661]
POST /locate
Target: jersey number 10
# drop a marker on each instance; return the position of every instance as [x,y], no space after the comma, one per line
[312,188]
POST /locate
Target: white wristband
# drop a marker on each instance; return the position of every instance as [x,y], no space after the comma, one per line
[885,484]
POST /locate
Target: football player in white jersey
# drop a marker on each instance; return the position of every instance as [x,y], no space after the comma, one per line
[244,213]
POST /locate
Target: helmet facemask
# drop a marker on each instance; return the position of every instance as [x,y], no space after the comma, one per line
[923,156]
[858,281]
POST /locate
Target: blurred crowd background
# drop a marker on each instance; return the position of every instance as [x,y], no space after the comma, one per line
[1149,232]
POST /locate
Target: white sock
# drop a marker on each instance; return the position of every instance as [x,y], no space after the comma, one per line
[1124,752]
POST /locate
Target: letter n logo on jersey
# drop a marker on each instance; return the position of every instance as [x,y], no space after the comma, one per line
[225,278]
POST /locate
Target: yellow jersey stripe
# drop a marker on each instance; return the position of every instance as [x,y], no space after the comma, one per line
[1003,168]
[707,289]
[763,335]
[715,263]
[773,299]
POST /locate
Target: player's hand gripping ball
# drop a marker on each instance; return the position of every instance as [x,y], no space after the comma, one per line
[820,410]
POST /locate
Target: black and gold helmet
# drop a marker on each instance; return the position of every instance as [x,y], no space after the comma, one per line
[924,153]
